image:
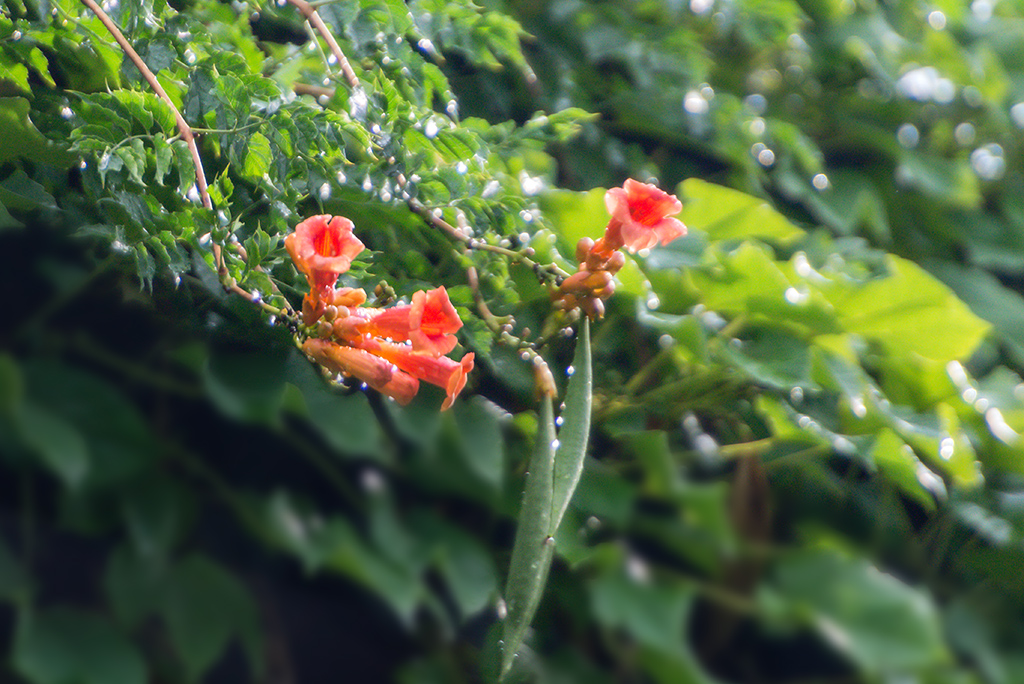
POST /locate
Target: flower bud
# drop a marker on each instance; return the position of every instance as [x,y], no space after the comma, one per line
[583,248]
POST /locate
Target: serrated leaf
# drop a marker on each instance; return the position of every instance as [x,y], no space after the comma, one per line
[137,105]
[164,155]
[257,157]
[133,163]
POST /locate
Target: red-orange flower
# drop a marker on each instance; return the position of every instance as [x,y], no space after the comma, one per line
[377,372]
[642,215]
[323,247]
[430,322]
[446,373]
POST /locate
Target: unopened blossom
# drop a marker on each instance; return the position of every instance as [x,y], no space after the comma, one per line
[375,371]
[446,373]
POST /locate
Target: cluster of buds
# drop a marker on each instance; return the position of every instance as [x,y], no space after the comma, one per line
[641,216]
[390,350]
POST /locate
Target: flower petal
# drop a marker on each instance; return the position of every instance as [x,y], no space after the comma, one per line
[323,247]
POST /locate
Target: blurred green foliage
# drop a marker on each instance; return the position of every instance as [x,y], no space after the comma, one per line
[805,460]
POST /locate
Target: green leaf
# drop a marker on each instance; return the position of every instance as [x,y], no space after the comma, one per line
[534,547]
[15,583]
[12,385]
[575,214]
[59,443]
[881,624]
[62,645]
[480,439]
[346,421]
[247,386]
[257,157]
[468,569]
[16,75]
[727,214]
[205,607]
[575,431]
[18,191]
[909,312]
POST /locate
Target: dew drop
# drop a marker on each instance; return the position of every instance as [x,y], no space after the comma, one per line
[796,395]
[325,191]
[653,302]
[858,407]
[341,178]
[430,129]
[66,113]
[461,168]
[570,370]
[367,184]
[559,420]
[946,448]
[694,103]
[964,133]
[843,445]
[555,444]
[937,20]
[16,35]
[908,136]
[820,182]
[1017,114]
[766,157]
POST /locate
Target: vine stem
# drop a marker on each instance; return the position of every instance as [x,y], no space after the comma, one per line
[183,127]
[521,256]
[315,20]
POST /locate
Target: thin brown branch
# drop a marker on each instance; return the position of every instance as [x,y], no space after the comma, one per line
[183,127]
[554,272]
[314,19]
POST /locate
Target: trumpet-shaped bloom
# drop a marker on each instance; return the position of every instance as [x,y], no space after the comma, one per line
[429,323]
[323,247]
[375,371]
[446,373]
[642,215]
